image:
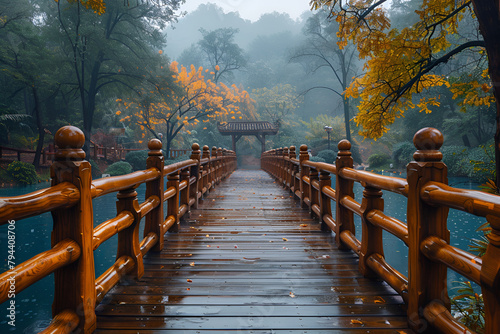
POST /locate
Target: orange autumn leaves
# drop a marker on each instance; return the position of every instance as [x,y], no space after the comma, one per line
[98,6]
[399,62]
[191,100]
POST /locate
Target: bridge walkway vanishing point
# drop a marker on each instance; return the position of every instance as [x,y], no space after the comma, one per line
[249,259]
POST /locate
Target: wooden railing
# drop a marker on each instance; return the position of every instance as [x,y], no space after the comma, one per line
[425,232]
[71,258]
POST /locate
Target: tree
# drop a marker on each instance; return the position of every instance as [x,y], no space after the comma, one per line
[276,103]
[195,100]
[402,62]
[116,49]
[319,51]
[221,53]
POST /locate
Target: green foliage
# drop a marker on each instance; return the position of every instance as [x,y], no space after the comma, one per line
[328,155]
[402,153]
[96,171]
[119,168]
[22,172]
[378,160]
[455,158]
[316,159]
[137,159]
[482,161]
[469,305]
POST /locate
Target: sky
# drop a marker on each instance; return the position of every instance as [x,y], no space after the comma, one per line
[253,9]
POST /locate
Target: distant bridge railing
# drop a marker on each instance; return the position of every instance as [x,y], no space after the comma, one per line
[425,232]
[74,239]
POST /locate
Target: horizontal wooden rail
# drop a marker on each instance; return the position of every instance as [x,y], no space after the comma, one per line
[149,204]
[472,201]
[390,183]
[111,276]
[36,268]
[462,262]
[64,322]
[425,231]
[111,227]
[148,242]
[62,195]
[113,184]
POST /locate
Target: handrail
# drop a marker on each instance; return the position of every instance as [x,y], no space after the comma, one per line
[425,231]
[77,291]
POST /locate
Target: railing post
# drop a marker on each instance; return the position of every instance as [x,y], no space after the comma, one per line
[344,217]
[154,220]
[291,168]
[371,235]
[128,239]
[213,167]
[219,165]
[75,283]
[173,202]
[490,278]
[284,164]
[205,171]
[313,193]
[427,279]
[325,202]
[304,171]
[195,171]
[184,194]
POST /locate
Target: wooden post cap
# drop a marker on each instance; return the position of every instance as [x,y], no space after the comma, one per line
[195,147]
[69,140]
[206,152]
[344,147]
[154,146]
[303,148]
[428,141]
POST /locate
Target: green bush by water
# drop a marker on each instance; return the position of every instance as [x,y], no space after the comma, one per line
[119,168]
[22,172]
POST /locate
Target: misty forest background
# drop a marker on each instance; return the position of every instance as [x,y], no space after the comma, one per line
[63,64]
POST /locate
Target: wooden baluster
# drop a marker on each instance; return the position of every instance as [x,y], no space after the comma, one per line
[304,171]
[427,279]
[219,165]
[313,193]
[371,235]
[291,169]
[325,201]
[195,171]
[205,170]
[286,156]
[344,216]
[490,278]
[154,220]
[184,194]
[128,239]
[75,283]
[173,202]
[213,169]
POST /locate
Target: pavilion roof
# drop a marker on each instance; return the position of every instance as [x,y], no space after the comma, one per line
[247,128]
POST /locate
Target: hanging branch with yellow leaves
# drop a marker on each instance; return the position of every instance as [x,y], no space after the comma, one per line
[195,99]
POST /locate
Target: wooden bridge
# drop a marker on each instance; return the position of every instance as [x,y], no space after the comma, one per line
[254,254]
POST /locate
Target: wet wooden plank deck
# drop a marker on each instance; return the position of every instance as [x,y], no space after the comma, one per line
[250,260]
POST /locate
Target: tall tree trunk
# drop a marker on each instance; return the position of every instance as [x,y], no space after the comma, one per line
[488,15]
[39,124]
[346,119]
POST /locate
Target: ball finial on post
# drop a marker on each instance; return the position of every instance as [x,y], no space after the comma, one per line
[69,140]
[154,146]
[428,141]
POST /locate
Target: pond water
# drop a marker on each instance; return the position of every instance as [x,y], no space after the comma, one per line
[33,305]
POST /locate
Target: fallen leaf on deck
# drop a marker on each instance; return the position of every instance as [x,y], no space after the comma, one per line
[379,300]
[303,225]
[208,236]
[354,321]
[189,280]
[292,295]
[285,239]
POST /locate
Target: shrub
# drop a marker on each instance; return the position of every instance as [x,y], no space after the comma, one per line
[137,159]
[378,160]
[96,171]
[402,153]
[119,168]
[455,158]
[22,172]
[328,155]
[316,159]
[480,163]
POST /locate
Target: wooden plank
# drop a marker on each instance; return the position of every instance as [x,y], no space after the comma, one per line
[250,260]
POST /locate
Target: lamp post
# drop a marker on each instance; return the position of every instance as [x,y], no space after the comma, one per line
[328,129]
